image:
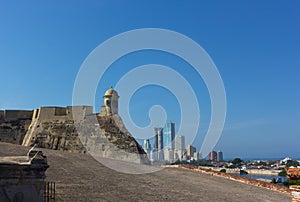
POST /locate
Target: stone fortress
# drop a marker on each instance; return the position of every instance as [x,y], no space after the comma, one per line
[57,128]
[14,124]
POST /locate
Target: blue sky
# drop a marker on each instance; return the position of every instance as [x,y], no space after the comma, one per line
[255,46]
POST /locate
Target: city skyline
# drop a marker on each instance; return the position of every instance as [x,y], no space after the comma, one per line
[170,147]
[254,45]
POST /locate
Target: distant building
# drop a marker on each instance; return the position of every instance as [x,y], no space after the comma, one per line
[190,151]
[200,155]
[179,146]
[147,146]
[212,156]
[168,155]
[184,157]
[285,160]
[158,143]
[220,156]
[158,138]
[153,155]
[169,135]
[197,156]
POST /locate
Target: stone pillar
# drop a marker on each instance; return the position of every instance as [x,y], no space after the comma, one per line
[22,177]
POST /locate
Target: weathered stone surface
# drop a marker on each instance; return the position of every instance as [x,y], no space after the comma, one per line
[102,136]
[54,128]
[22,177]
[55,134]
[295,193]
[13,131]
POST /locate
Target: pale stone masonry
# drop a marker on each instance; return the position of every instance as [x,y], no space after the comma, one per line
[22,177]
[75,129]
[295,193]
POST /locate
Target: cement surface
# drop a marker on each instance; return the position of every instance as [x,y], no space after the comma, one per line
[79,177]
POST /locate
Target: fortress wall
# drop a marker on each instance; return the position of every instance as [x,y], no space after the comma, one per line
[46,113]
[49,114]
[89,110]
[7,134]
[35,114]
[78,112]
[13,115]
[60,111]
[1,114]
[14,132]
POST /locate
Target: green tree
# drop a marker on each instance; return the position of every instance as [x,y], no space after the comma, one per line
[237,161]
[223,170]
[282,173]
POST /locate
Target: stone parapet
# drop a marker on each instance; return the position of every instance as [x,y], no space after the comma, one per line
[238,178]
[295,193]
[22,177]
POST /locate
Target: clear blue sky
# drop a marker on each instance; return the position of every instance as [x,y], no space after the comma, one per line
[254,44]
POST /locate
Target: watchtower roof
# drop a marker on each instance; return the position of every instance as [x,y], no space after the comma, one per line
[111,92]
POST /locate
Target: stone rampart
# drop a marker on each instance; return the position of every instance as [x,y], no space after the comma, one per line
[51,113]
[62,113]
[13,115]
[54,127]
[57,128]
[13,131]
[78,112]
[22,177]
[15,124]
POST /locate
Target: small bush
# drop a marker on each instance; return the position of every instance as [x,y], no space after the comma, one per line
[273,181]
[291,182]
[223,170]
[282,173]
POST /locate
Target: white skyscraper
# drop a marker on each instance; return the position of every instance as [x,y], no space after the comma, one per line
[180,145]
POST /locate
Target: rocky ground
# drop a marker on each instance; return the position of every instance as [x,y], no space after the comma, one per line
[80,178]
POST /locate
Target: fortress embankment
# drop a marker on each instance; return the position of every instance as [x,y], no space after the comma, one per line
[14,125]
[74,129]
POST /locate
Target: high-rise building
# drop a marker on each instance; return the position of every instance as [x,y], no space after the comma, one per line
[200,156]
[153,155]
[169,135]
[158,143]
[190,151]
[197,156]
[212,156]
[158,139]
[168,155]
[179,145]
[147,145]
[220,156]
